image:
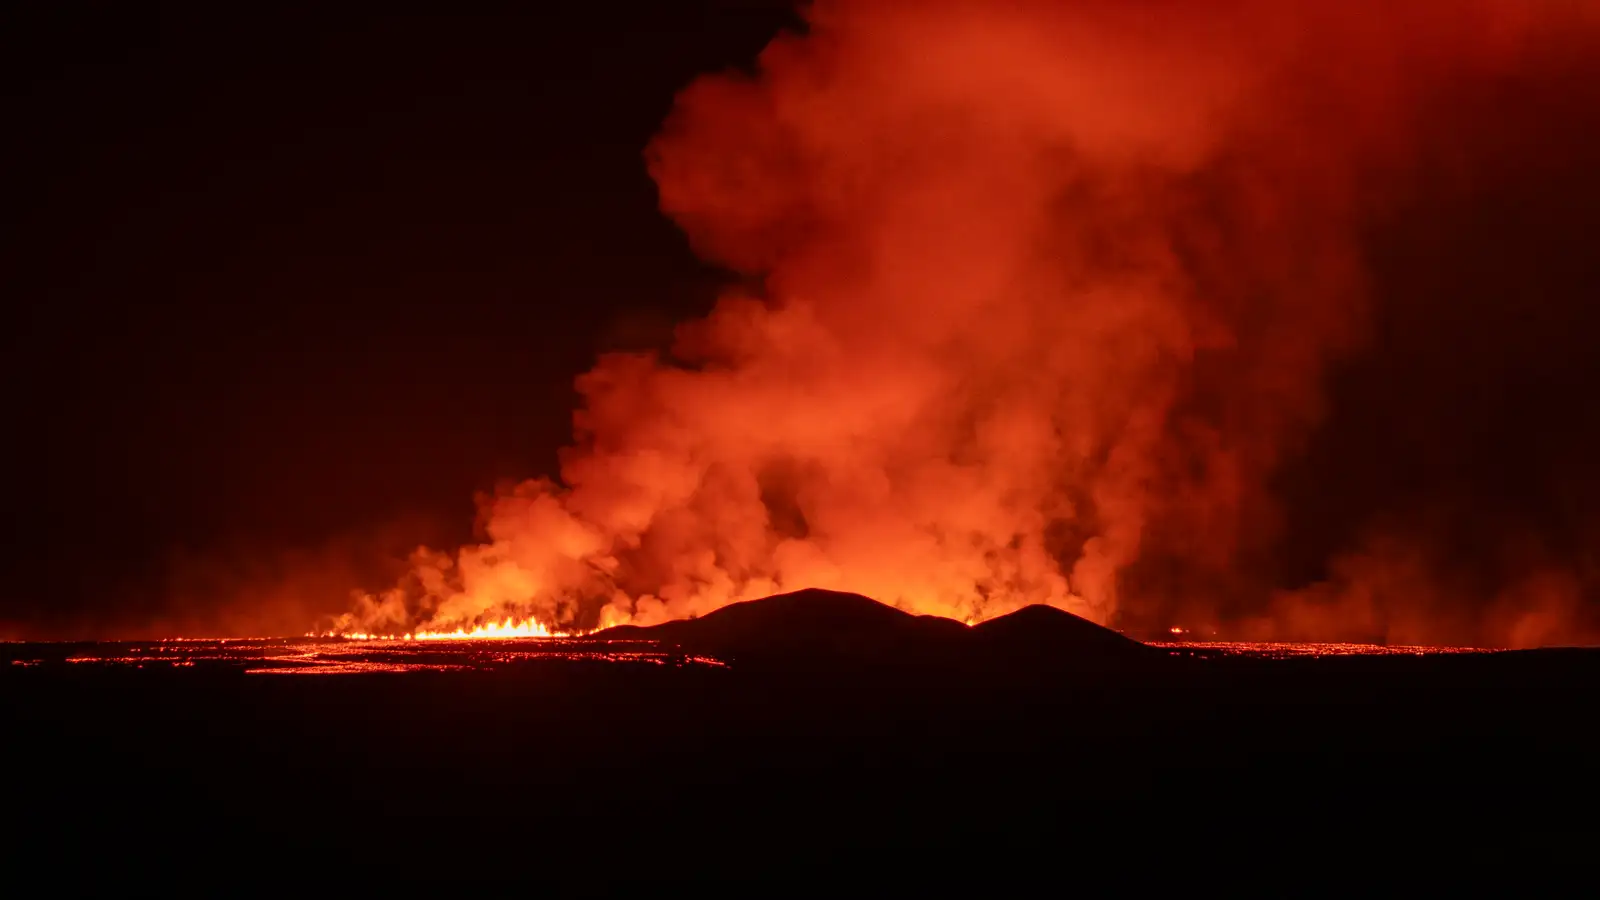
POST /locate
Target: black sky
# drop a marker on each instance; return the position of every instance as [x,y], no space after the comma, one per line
[278,272]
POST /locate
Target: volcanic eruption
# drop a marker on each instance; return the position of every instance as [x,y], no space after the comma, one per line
[1034,302]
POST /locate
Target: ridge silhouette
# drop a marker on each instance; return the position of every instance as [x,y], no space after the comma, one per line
[1044,626]
[834,625]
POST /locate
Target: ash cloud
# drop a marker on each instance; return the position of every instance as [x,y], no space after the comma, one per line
[1053,302]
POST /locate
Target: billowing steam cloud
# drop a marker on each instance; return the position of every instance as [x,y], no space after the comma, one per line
[1043,295]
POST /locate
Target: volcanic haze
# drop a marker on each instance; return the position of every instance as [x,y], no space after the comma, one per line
[1039,299]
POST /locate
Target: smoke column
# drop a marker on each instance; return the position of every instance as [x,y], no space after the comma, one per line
[1040,298]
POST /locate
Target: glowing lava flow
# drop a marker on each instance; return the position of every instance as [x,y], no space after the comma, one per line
[510,628]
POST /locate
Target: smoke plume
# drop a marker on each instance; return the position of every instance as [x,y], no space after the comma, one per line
[1041,299]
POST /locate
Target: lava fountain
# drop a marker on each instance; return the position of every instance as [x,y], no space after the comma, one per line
[510,628]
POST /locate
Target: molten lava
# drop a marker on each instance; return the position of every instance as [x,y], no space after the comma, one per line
[508,629]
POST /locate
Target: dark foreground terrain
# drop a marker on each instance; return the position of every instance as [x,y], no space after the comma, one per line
[1036,734]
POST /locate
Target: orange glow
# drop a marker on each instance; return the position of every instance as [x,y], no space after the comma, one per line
[1291,650]
[1047,296]
[506,630]
[334,656]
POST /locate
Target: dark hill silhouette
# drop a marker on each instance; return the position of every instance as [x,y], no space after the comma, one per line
[1039,639]
[1050,628]
[810,622]
[831,624]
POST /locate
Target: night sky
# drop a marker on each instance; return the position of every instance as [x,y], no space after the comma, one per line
[279,277]
[306,279]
